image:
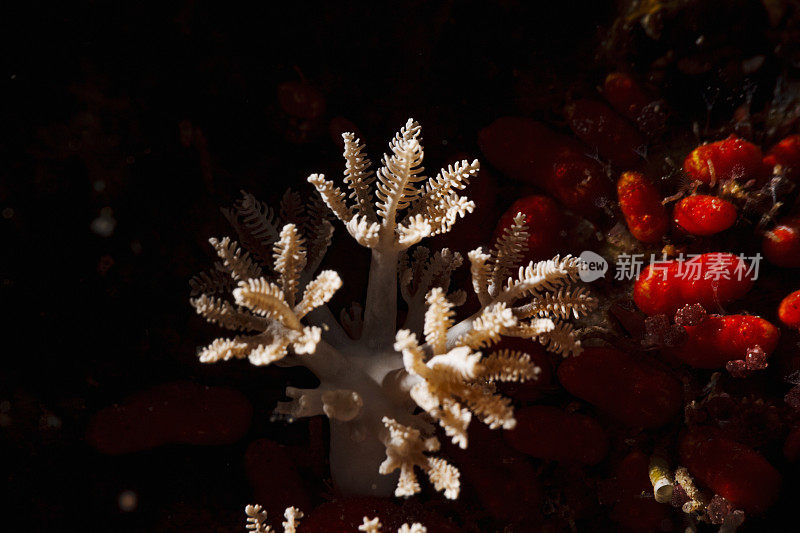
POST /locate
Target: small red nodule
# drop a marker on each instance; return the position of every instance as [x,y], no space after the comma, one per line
[628,389]
[600,127]
[731,158]
[552,433]
[640,202]
[530,152]
[704,215]
[786,154]
[720,339]
[711,280]
[781,244]
[736,472]
[789,310]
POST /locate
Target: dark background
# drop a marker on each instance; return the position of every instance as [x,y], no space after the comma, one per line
[155,114]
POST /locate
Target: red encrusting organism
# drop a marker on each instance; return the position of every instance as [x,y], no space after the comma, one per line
[641,205]
[791,446]
[781,244]
[626,387]
[601,128]
[789,310]
[736,472]
[656,289]
[171,413]
[490,463]
[731,158]
[714,279]
[720,339]
[711,280]
[552,433]
[346,515]
[625,95]
[704,215]
[274,477]
[786,154]
[532,153]
[631,100]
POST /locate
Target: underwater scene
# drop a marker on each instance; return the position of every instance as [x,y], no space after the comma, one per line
[449,266]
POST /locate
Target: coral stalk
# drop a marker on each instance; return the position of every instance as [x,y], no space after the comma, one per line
[374,378]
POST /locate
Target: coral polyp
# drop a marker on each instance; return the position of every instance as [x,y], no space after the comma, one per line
[384,387]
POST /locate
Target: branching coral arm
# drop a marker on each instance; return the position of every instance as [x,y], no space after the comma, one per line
[508,365]
[358,176]
[563,304]
[481,270]
[438,319]
[398,176]
[266,299]
[218,311]
[333,197]
[290,260]
[257,520]
[237,262]
[318,292]
[549,275]
[438,202]
[508,253]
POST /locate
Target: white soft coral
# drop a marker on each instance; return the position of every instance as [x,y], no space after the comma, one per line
[373,376]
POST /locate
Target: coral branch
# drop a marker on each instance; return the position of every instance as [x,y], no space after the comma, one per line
[318,292]
[406,449]
[358,176]
[508,252]
[290,260]
[220,312]
[399,174]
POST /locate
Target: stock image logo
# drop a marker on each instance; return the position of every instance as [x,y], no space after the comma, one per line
[594,266]
[689,267]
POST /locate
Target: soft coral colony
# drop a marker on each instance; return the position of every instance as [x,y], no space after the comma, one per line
[385,388]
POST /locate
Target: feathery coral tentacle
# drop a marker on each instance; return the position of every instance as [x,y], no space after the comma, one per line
[224,350]
[438,204]
[290,259]
[561,305]
[213,281]
[508,365]
[438,319]
[318,292]
[508,252]
[405,449]
[220,312]
[358,176]
[292,516]
[292,209]
[399,174]
[548,275]
[333,197]
[266,299]
[481,270]
[561,339]
[257,519]
[486,330]
[237,262]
